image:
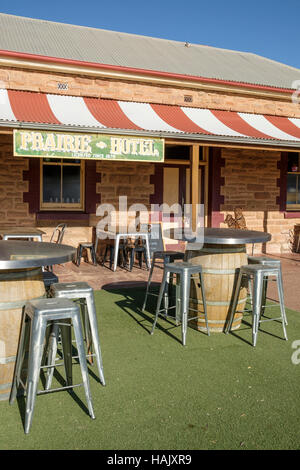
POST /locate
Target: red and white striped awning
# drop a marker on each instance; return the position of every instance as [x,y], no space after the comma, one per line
[41,110]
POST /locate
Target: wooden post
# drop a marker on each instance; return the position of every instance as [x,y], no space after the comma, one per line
[194,166]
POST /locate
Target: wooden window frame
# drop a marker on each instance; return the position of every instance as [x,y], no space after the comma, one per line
[52,206]
[293,207]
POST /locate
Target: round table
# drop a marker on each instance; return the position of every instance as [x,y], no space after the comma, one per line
[221,254]
[21,279]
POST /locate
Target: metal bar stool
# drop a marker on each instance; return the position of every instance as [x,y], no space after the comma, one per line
[136,246]
[141,251]
[263,260]
[38,315]
[110,249]
[185,272]
[86,246]
[167,257]
[49,278]
[258,272]
[82,292]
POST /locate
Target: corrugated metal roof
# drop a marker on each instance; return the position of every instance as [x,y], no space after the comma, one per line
[32,36]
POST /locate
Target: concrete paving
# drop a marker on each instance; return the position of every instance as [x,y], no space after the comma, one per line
[102,277]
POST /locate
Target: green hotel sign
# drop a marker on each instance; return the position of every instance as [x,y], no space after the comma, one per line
[46,144]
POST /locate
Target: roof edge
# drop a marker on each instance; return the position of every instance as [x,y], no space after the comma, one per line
[157,73]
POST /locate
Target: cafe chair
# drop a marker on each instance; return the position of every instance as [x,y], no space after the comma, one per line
[166,257]
[56,237]
[259,273]
[58,233]
[184,272]
[38,317]
[83,294]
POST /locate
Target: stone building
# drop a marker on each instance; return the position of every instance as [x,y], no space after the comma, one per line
[227,124]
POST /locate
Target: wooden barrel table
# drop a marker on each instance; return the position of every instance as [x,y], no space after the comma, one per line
[21,279]
[221,254]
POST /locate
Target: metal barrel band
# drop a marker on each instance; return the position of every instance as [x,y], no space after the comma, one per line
[214,250]
[219,271]
[5,386]
[8,275]
[196,301]
[18,303]
[221,322]
[7,360]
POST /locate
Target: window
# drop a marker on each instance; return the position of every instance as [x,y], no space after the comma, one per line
[62,184]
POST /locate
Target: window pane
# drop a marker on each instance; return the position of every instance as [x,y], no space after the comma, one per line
[51,183]
[298,189]
[293,162]
[292,184]
[52,160]
[71,184]
[70,160]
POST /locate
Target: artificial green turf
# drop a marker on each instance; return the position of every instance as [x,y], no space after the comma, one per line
[218,392]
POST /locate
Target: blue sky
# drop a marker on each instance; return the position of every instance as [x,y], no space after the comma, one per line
[267,27]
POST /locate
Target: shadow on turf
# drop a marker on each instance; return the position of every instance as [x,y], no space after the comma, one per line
[133,301]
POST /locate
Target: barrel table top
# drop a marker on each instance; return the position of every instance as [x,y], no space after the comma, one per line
[15,254]
[229,236]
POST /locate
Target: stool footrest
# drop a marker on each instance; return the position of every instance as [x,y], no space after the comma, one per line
[270,319]
[43,392]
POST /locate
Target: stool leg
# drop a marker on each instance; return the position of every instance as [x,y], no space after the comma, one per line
[250,290]
[82,360]
[159,300]
[280,285]
[86,327]
[185,296]
[140,259]
[79,254]
[169,280]
[38,328]
[257,298]
[204,302]
[281,303]
[132,259]
[51,354]
[66,340]
[91,311]
[178,301]
[93,255]
[105,254]
[25,328]
[234,303]
[149,282]
[264,295]
[111,256]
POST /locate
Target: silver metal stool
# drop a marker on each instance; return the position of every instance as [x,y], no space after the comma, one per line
[167,257]
[82,292]
[263,260]
[184,271]
[38,315]
[259,273]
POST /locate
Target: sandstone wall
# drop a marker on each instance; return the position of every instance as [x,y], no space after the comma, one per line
[25,79]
